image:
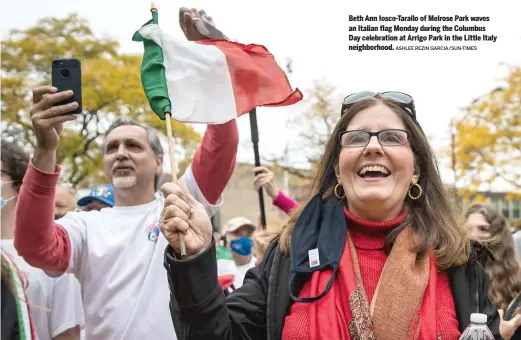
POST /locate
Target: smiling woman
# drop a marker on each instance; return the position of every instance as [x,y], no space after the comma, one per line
[379,250]
[379,166]
[382,132]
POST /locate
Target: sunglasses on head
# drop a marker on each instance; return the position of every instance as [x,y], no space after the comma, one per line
[400,98]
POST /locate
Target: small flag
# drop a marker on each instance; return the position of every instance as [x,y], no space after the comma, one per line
[226,268]
[209,81]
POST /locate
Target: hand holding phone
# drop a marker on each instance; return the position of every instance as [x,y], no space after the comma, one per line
[53,106]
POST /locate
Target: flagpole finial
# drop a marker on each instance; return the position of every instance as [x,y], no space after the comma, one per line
[153,7]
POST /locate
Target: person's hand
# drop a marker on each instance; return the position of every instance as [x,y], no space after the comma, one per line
[183,213]
[197,25]
[264,178]
[47,120]
[508,328]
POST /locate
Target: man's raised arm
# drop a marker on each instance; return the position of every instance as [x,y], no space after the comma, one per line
[214,161]
[40,241]
[213,164]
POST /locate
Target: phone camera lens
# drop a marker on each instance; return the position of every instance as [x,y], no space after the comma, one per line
[65,73]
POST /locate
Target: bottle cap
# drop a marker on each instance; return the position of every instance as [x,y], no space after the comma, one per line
[478,318]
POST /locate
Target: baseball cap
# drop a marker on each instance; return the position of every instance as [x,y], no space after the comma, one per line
[237,222]
[103,193]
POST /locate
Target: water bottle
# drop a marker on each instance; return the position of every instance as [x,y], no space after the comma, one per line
[477,330]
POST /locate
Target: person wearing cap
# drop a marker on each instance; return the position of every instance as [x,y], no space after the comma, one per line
[239,232]
[99,197]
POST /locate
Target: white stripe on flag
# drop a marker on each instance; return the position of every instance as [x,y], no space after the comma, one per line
[226,267]
[197,77]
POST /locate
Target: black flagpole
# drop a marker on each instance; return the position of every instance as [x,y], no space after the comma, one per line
[255,141]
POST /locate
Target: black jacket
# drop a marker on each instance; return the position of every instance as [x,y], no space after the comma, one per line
[258,309]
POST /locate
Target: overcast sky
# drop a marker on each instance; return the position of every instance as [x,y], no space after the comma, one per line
[315,35]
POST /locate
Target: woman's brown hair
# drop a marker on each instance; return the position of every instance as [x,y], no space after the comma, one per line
[505,275]
[433,215]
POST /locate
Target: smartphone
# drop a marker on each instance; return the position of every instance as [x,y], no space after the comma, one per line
[513,309]
[66,75]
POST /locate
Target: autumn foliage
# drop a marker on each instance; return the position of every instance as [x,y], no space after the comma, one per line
[488,139]
[111,88]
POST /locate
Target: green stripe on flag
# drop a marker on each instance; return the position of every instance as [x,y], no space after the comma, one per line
[153,74]
[223,253]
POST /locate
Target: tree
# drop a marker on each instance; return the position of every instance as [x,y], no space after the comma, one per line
[487,139]
[314,126]
[111,87]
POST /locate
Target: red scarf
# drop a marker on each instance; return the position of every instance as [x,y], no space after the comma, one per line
[344,312]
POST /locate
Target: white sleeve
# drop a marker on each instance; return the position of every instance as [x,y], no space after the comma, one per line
[66,305]
[193,188]
[76,228]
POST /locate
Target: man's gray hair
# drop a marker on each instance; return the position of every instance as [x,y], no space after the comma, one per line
[153,138]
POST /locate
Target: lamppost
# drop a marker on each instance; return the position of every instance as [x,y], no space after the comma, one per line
[289,71]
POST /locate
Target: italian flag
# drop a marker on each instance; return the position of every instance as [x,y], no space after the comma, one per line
[208,81]
[226,268]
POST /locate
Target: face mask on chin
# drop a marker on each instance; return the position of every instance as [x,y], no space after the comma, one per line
[3,202]
[242,246]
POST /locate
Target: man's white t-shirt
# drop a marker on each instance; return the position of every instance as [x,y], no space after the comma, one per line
[55,303]
[117,254]
[241,272]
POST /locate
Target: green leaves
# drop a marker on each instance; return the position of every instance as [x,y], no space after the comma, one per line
[111,87]
[488,138]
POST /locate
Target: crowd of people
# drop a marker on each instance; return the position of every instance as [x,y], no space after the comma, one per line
[380,236]
[379,251]
[407,265]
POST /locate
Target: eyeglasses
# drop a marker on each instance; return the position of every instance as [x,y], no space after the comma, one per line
[400,98]
[360,138]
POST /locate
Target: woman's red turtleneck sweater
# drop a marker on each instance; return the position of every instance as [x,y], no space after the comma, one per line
[368,239]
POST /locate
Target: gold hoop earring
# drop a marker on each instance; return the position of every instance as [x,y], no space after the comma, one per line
[340,197]
[420,192]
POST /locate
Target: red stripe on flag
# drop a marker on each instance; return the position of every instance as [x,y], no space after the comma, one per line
[226,280]
[256,77]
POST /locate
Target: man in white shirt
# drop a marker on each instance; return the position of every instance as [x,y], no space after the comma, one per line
[238,232]
[55,303]
[116,253]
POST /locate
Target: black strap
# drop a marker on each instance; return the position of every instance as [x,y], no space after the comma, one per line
[474,279]
[292,280]
[271,296]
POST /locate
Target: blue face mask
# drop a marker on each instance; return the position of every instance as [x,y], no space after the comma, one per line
[242,246]
[3,202]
